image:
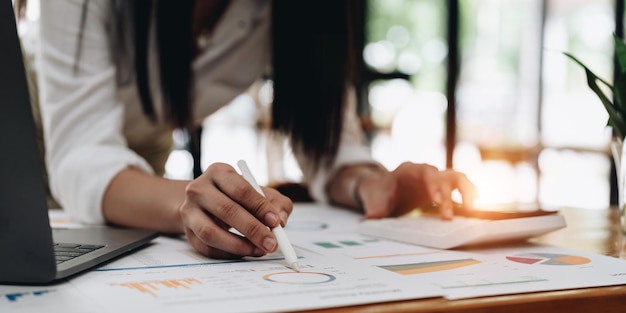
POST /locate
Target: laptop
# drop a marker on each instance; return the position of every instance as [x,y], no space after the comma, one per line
[27,240]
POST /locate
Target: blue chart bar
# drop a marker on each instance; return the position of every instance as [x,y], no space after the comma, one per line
[14,297]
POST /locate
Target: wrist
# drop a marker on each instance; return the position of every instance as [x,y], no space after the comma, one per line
[358,181]
[344,187]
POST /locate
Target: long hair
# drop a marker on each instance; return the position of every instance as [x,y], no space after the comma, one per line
[311,69]
[313,66]
[175,52]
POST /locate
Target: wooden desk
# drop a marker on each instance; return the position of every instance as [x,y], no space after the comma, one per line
[593,231]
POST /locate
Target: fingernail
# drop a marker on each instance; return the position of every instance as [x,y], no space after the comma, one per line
[271,219]
[269,244]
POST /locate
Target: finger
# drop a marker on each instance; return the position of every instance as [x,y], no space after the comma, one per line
[433,180]
[209,238]
[206,250]
[228,197]
[468,191]
[231,213]
[209,194]
[465,187]
[239,190]
[445,206]
[280,201]
[438,190]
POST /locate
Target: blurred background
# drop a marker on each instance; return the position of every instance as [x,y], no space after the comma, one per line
[527,126]
[521,121]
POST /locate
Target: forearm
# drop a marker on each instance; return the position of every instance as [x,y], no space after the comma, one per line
[137,199]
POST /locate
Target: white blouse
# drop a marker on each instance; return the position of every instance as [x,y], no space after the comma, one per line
[90,119]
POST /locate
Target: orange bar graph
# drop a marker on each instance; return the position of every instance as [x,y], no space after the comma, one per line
[152,287]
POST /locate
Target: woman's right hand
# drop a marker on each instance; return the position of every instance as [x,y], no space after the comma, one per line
[220,199]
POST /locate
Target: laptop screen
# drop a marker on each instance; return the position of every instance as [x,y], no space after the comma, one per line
[24,225]
[26,238]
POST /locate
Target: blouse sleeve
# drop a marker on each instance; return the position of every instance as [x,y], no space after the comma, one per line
[351,150]
[82,117]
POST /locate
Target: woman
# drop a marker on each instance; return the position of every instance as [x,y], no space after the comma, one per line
[117,76]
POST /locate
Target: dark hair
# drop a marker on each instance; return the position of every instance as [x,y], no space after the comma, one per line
[312,66]
[175,46]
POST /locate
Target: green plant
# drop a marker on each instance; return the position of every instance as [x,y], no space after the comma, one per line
[616,108]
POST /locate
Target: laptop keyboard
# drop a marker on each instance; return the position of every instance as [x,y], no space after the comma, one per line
[67,251]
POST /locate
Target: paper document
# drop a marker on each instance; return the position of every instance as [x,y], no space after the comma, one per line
[339,268]
[264,284]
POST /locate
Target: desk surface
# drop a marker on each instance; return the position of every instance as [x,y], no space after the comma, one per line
[593,231]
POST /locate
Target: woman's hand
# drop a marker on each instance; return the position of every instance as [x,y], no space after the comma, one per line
[411,186]
[220,199]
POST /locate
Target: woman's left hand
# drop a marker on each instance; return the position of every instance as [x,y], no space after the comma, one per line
[412,186]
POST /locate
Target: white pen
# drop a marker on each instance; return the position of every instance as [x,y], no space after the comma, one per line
[281,236]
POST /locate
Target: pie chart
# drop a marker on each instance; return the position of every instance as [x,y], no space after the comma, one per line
[299,278]
[548,259]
